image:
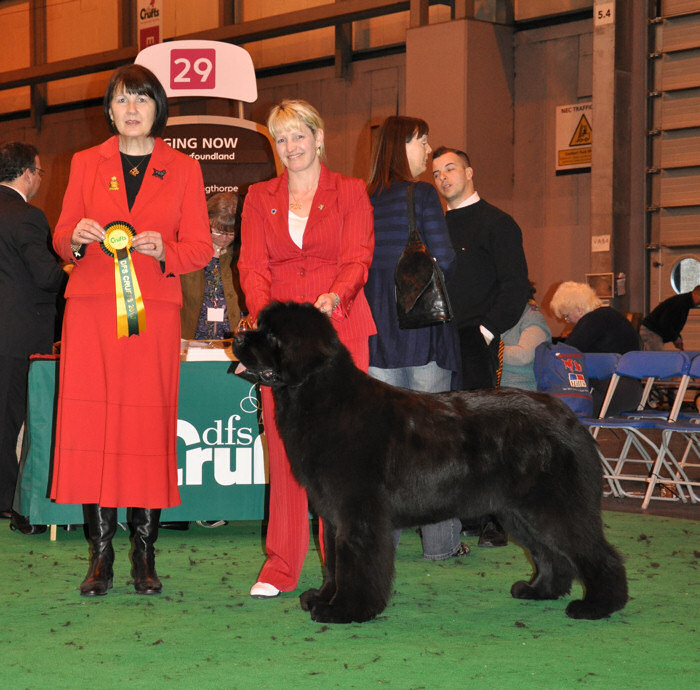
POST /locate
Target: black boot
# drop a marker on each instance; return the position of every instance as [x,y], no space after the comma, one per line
[101,524]
[144,530]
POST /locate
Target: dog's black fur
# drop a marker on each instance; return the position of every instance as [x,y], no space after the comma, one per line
[373,457]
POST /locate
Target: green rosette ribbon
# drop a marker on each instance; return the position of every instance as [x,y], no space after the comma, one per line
[131,314]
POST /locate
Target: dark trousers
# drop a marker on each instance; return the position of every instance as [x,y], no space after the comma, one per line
[480,364]
[479,361]
[13,402]
[626,398]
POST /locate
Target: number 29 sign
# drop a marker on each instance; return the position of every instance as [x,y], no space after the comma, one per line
[202,68]
[192,68]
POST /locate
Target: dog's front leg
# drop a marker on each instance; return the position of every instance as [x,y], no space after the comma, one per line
[364,571]
[311,597]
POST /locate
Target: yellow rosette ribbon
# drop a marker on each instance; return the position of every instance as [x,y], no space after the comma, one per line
[131,315]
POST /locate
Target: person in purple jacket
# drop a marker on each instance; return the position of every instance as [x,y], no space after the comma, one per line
[421,359]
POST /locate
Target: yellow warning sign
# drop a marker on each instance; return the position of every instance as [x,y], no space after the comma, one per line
[577,157]
[574,136]
[583,135]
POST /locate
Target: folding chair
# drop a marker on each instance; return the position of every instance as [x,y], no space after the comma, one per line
[602,366]
[639,453]
[675,475]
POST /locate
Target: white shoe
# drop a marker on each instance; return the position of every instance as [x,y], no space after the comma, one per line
[263,590]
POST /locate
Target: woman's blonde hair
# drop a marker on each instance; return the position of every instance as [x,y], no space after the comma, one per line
[570,296]
[291,114]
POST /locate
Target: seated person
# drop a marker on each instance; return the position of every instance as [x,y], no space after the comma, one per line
[597,328]
[519,345]
[210,301]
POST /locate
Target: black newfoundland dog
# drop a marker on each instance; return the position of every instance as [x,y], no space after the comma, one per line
[373,457]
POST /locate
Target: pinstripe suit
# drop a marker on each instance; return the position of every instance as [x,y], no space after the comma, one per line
[335,257]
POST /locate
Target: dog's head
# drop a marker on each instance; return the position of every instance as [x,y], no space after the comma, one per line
[291,342]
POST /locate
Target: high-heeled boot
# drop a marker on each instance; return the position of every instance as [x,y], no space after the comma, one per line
[101,526]
[144,531]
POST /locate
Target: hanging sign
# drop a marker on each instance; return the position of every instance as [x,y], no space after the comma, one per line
[149,22]
[574,136]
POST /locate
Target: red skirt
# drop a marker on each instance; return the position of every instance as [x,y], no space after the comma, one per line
[116,423]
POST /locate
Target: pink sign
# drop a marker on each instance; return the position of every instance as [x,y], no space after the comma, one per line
[192,68]
[202,68]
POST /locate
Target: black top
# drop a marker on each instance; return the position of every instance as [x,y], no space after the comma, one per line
[669,317]
[133,182]
[489,284]
[604,330]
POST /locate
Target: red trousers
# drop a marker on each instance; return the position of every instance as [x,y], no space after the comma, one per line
[288,528]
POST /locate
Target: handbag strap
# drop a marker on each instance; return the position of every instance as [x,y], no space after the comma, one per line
[413,232]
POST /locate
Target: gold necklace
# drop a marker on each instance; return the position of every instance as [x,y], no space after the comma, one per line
[135,167]
[296,204]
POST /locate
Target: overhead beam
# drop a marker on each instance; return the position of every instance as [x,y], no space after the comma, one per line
[335,14]
[298,21]
[72,67]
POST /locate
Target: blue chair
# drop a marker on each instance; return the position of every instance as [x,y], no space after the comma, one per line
[673,472]
[629,446]
[602,366]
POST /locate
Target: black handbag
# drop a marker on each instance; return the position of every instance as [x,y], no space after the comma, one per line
[421,296]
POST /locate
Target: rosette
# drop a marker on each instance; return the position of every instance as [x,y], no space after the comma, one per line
[131,315]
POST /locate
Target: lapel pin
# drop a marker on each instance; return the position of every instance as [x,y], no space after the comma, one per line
[320,207]
[160,174]
[113,184]
[273,211]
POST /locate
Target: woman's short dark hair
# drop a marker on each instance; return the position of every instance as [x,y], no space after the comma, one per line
[137,79]
[389,160]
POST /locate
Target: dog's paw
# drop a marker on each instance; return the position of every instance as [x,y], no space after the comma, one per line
[309,598]
[581,609]
[323,612]
[538,592]
[523,590]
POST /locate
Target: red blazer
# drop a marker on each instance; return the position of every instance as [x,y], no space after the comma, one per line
[171,202]
[335,257]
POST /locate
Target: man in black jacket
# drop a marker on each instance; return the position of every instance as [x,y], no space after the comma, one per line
[30,279]
[665,323]
[489,284]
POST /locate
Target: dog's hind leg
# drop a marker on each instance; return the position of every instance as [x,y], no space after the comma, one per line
[553,572]
[602,573]
[364,570]
[578,551]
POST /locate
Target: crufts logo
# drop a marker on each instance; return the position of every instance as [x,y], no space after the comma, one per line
[217,444]
[151,12]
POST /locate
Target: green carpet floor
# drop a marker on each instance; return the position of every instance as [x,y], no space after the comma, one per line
[448,625]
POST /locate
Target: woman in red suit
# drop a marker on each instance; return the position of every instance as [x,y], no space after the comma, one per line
[116,429]
[306,236]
